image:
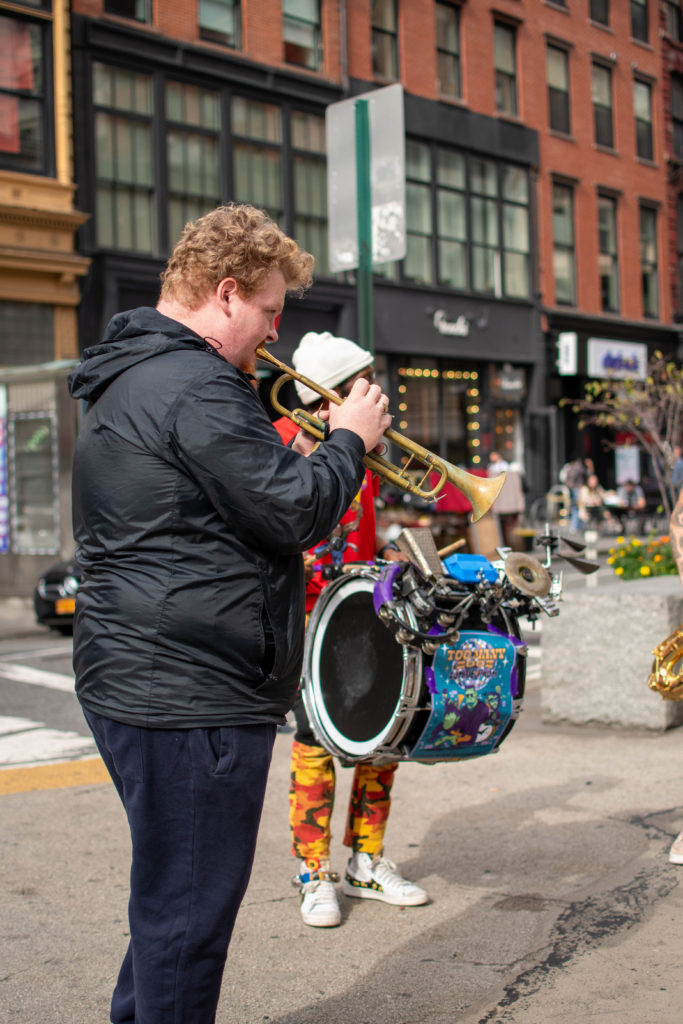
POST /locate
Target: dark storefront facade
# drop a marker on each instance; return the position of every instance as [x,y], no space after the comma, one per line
[166,131]
[580,349]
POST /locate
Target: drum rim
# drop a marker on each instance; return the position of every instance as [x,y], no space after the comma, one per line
[323,727]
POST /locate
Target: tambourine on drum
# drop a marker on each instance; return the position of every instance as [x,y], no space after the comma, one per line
[416,692]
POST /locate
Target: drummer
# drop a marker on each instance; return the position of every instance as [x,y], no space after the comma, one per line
[335,364]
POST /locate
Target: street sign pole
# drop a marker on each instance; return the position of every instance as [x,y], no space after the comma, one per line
[364,215]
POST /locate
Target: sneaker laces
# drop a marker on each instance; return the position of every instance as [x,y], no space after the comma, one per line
[384,871]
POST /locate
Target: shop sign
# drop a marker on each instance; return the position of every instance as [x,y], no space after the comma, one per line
[459,328]
[618,359]
[567,353]
[4,497]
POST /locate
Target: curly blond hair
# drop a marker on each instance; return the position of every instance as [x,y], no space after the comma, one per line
[236,240]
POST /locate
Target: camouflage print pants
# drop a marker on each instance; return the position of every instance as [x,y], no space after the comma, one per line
[311,799]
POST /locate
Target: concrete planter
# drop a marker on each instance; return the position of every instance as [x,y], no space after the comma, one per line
[597,654]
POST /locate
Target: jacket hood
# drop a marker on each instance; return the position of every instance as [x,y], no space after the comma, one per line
[130,338]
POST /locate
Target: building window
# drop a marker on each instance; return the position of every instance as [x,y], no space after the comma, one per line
[384,39]
[648,261]
[642,106]
[257,134]
[639,26]
[564,262]
[448,49]
[220,22]
[602,106]
[192,131]
[515,213]
[674,22]
[34,482]
[301,32]
[451,218]
[599,11]
[310,186]
[485,227]
[608,254]
[27,330]
[558,89]
[417,265]
[677,114]
[25,90]
[137,10]
[123,159]
[506,69]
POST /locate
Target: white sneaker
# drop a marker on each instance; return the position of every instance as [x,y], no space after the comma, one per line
[319,904]
[676,851]
[378,880]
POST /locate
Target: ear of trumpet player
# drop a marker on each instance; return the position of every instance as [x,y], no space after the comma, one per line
[432,472]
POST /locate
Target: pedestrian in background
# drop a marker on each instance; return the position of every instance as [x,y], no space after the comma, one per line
[509,505]
[574,475]
[191,517]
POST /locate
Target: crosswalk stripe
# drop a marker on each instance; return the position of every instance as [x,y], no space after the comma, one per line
[36,677]
[85,772]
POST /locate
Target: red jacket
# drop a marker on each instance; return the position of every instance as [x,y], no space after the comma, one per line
[360,543]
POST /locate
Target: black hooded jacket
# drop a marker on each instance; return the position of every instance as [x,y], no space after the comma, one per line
[190,517]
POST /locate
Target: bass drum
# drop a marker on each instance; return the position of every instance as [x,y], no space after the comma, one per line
[369,698]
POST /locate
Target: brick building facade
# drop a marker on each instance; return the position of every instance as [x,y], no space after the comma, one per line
[542,183]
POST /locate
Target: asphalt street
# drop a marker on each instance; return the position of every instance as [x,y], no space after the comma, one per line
[552,899]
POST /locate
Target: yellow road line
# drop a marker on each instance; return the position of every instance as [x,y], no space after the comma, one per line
[53,776]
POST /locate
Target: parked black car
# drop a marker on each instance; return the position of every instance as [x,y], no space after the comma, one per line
[54,599]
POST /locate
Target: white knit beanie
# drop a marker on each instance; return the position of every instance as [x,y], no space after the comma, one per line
[327,361]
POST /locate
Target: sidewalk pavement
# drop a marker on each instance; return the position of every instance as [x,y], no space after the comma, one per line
[17,618]
[552,899]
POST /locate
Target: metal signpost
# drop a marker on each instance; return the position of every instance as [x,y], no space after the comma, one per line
[366,190]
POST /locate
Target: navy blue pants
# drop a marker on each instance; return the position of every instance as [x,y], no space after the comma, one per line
[193,798]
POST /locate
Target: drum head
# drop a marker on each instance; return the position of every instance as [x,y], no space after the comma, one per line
[354,672]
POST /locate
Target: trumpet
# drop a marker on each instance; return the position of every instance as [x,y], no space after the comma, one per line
[481,492]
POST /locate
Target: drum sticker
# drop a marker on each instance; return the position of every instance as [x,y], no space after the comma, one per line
[471,684]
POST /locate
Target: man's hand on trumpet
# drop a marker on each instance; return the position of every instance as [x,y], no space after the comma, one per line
[364,412]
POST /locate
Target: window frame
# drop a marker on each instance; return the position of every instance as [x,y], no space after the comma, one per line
[491,252]
[609,201]
[565,248]
[644,127]
[674,20]
[444,55]
[640,17]
[649,268]
[603,122]
[44,164]
[380,33]
[119,186]
[597,16]
[292,20]
[505,77]
[145,19]
[555,91]
[211,35]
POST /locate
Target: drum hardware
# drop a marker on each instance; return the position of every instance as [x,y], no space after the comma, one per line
[480,491]
[552,542]
[527,574]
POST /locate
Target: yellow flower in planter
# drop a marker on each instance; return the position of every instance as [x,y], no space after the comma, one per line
[637,559]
